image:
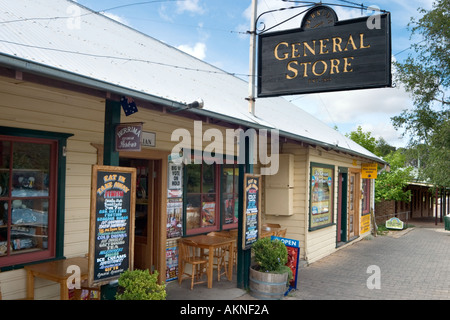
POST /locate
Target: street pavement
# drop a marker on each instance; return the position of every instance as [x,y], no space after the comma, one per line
[413,264]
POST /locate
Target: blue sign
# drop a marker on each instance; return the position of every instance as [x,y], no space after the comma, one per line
[293,248]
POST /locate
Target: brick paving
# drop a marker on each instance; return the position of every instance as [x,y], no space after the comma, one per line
[414,265]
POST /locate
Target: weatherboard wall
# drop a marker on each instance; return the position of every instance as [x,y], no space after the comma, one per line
[33,106]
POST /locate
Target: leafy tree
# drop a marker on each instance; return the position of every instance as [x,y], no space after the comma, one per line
[364,139]
[389,185]
[426,75]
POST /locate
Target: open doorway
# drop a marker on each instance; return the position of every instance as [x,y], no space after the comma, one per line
[148,212]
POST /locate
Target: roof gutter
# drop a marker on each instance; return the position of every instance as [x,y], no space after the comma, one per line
[51,72]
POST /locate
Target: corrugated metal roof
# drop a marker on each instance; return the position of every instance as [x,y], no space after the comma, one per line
[99,48]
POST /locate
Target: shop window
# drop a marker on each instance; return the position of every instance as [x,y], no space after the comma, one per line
[365,201]
[28,199]
[229,191]
[201,198]
[211,197]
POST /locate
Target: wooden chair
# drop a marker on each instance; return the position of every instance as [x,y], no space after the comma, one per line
[188,255]
[90,293]
[219,255]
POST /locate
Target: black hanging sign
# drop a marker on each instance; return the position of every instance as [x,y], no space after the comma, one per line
[325,55]
[111,235]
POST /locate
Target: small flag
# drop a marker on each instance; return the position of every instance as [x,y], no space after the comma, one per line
[128,106]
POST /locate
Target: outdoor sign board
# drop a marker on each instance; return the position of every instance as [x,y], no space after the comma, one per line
[293,248]
[128,137]
[111,232]
[323,56]
[394,223]
[369,170]
[252,207]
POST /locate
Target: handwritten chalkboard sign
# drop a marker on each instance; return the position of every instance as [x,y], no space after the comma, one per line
[252,205]
[111,236]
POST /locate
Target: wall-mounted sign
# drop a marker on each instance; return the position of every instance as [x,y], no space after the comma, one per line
[148,139]
[111,233]
[252,206]
[128,137]
[369,170]
[325,55]
[321,196]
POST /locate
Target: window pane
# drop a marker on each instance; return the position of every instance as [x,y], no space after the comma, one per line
[208,211]
[29,225]
[208,179]
[193,208]
[229,189]
[193,173]
[31,163]
[3,227]
[5,147]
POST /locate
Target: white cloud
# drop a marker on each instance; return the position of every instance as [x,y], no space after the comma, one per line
[191,6]
[198,50]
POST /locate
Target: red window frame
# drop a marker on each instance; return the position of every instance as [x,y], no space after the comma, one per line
[203,194]
[49,252]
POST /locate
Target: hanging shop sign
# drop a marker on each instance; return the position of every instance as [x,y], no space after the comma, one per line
[128,136]
[325,55]
[252,210]
[111,233]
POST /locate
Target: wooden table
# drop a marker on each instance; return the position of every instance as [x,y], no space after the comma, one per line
[55,271]
[211,243]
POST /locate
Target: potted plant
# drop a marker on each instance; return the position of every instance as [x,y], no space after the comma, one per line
[140,285]
[270,276]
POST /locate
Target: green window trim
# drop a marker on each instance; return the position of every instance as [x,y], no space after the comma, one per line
[321,198]
[61,139]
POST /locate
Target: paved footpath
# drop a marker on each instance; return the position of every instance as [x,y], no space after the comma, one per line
[413,264]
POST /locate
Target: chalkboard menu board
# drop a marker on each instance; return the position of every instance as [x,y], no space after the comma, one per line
[111,236]
[252,214]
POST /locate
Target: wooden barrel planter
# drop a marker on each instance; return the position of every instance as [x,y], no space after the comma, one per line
[267,286]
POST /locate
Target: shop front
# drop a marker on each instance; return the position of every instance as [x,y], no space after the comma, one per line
[59,120]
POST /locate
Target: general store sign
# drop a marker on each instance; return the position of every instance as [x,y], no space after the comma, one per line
[346,55]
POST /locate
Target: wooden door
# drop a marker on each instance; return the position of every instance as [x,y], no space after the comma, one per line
[353,204]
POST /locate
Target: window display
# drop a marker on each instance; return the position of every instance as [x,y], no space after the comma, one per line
[26,189]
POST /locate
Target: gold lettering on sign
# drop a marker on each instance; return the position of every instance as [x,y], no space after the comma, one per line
[285,55]
[337,44]
[319,47]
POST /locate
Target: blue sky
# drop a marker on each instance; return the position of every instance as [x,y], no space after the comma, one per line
[215,31]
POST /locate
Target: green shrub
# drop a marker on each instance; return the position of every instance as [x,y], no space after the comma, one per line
[271,256]
[140,285]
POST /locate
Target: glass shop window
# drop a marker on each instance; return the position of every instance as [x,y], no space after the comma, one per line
[229,190]
[28,169]
[202,209]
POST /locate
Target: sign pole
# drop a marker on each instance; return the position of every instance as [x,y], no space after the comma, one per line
[252,77]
